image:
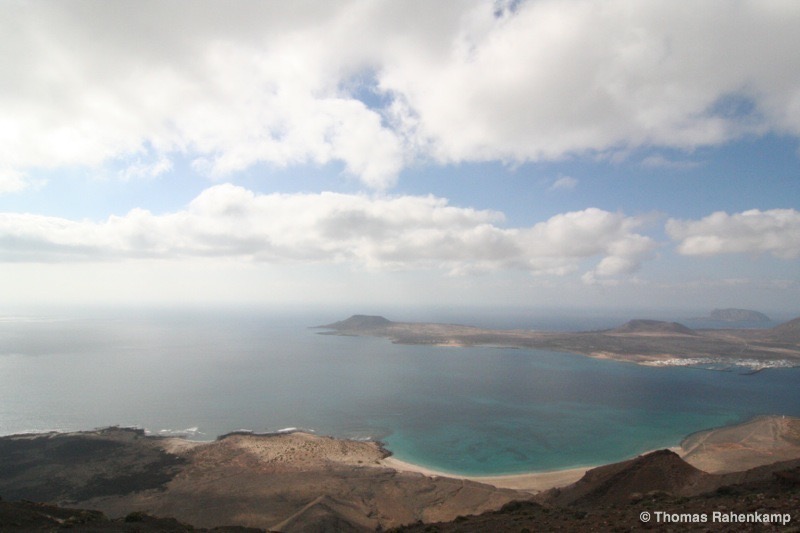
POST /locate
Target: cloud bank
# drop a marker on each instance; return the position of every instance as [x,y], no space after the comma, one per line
[374,86]
[775,231]
[376,233]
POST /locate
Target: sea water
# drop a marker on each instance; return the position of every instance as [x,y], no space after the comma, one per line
[474,411]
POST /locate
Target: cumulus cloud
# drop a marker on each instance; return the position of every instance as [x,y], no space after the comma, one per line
[229,88]
[775,231]
[286,83]
[404,232]
[559,77]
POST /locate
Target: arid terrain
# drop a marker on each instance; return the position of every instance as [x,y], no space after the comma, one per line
[120,479]
[640,341]
[288,482]
[758,442]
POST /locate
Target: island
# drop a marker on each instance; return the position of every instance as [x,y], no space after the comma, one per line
[641,341]
[739,315]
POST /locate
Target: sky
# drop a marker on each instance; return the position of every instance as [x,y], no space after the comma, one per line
[521,154]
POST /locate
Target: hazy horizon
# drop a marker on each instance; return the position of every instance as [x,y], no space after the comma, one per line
[499,317]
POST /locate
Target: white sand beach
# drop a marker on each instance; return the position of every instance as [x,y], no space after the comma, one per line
[533,482]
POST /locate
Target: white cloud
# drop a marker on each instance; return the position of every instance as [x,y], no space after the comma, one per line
[405,232]
[556,246]
[230,88]
[564,183]
[562,77]
[775,231]
[283,83]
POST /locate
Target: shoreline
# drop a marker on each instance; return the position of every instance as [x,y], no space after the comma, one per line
[532,482]
[298,481]
[712,456]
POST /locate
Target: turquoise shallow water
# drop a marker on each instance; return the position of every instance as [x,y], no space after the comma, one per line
[472,410]
[601,414]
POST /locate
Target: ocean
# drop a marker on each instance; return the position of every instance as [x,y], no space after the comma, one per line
[473,411]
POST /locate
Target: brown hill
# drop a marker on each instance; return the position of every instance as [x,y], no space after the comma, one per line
[359,323]
[619,483]
[654,326]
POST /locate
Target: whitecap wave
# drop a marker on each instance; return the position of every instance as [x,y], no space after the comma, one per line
[192,431]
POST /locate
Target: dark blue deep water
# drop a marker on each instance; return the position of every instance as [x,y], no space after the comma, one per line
[465,410]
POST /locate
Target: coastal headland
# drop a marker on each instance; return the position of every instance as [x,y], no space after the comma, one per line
[647,342]
[298,481]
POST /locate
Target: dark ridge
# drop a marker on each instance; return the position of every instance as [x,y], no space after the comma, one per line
[359,322]
[237,432]
[79,466]
[519,515]
[27,516]
[653,326]
[251,433]
[738,315]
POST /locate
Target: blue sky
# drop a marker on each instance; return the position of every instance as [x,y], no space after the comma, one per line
[366,154]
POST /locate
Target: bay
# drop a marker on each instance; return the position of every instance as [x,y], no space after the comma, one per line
[475,411]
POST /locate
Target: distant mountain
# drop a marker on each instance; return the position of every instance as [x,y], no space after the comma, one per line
[653,326]
[359,323]
[738,315]
[787,332]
